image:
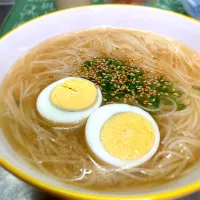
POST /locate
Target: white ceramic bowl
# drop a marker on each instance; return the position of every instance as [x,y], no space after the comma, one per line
[17,42]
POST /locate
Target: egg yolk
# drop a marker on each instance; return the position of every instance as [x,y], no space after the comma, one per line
[127,136]
[74,94]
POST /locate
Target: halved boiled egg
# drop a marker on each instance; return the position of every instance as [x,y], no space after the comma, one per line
[122,135]
[69,100]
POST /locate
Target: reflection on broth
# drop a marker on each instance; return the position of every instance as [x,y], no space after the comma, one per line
[138,68]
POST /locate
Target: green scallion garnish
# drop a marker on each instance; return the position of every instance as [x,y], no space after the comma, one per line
[120,82]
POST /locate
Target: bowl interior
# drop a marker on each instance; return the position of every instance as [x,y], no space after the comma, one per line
[27,36]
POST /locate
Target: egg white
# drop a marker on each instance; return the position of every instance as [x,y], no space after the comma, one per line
[54,114]
[93,130]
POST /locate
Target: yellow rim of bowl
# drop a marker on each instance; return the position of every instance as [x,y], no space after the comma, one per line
[175,193]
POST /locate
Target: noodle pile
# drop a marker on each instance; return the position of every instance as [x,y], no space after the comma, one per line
[59,150]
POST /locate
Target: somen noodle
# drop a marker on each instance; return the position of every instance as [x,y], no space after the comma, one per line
[59,150]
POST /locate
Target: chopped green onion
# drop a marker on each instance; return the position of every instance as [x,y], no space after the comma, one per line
[87,64]
[122,82]
[17,102]
[181,106]
[196,87]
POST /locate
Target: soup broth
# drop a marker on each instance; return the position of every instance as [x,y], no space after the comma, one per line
[60,151]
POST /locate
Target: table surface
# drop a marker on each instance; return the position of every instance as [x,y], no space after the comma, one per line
[11,188]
